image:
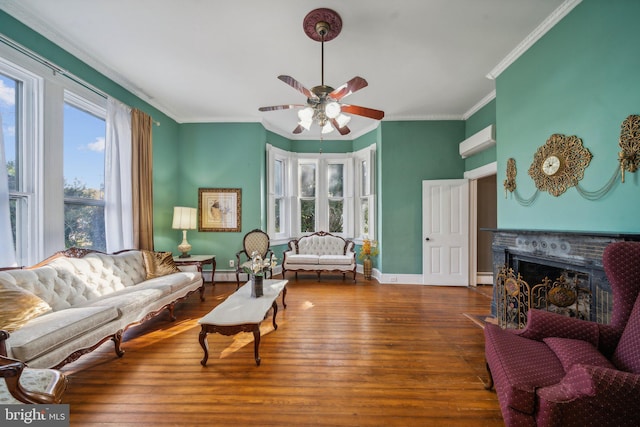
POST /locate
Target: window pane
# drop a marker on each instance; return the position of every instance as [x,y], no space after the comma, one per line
[84,226]
[84,142]
[278,215]
[336,180]
[364,216]
[307,215]
[277,177]
[364,179]
[335,216]
[308,180]
[84,136]
[9,90]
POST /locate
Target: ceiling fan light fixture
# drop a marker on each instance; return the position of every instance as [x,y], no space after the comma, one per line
[332,109]
[306,114]
[305,124]
[342,120]
[327,128]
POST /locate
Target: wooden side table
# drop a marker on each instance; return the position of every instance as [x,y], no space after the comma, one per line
[199,261]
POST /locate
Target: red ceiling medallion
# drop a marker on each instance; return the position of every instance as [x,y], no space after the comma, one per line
[327,19]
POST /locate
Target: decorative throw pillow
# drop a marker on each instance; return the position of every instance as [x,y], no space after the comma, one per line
[572,352]
[158,264]
[19,306]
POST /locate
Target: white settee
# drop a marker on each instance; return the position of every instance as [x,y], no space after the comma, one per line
[320,252]
[74,301]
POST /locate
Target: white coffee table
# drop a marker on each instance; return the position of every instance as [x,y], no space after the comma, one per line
[242,313]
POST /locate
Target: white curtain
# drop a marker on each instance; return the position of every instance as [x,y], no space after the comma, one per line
[7,249]
[118,209]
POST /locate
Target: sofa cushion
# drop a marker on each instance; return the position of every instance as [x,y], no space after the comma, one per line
[302,259]
[46,332]
[18,306]
[335,260]
[130,300]
[158,264]
[572,352]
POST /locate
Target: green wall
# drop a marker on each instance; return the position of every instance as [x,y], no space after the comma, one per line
[221,155]
[408,153]
[580,79]
[479,120]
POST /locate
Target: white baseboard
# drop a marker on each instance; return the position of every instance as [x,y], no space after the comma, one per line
[485,278]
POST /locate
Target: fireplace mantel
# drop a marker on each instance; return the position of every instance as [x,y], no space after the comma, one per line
[577,251]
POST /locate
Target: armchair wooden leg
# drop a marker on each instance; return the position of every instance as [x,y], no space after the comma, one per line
[489,385]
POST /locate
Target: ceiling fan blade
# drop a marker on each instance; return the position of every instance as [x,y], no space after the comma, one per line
[280,107]
[298,129]
[297,86]
[348,88]
[363,111]
[343,130]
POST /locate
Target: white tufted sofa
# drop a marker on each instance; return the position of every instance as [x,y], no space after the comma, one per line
[320,252]
[94,297]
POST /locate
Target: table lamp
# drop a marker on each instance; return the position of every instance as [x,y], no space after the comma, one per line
[184,219]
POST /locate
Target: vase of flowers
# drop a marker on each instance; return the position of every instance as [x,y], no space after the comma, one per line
[369,249]
[256,272]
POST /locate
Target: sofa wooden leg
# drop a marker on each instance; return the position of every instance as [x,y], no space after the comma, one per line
[172,316]
[117,341]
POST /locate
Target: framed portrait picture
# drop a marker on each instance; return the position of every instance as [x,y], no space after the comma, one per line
[219,209]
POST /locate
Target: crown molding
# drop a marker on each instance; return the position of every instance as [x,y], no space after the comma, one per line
[484,101]
[551,20]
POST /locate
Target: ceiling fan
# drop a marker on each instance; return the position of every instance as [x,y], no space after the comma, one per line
[324,104]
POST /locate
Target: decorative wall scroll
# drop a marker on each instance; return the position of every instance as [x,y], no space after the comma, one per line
[559,164]
[219,209]
[629,156]
[510,182]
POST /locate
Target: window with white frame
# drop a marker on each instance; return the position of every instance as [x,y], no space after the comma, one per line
[327,192]
[18,108]
[365,197]
[84,143]
[41,112]
[307,200]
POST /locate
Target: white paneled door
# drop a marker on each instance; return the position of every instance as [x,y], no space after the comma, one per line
[445,232]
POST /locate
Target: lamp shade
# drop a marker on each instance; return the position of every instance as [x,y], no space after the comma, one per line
[185,218]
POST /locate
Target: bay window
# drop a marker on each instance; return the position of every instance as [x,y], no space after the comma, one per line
[320,192]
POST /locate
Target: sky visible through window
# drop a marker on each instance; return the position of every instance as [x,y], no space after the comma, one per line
[84,136]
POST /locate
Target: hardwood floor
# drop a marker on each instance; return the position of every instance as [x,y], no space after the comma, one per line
[344,354]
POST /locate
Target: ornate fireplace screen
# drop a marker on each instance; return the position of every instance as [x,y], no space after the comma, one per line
[563,295]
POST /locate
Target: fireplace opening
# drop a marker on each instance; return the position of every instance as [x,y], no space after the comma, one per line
[542,286]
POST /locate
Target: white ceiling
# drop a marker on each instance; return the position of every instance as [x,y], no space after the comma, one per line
[215,61]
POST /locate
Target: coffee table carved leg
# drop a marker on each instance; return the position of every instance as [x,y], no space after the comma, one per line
[275,311]
[284,295]
[256,344]
[205,346]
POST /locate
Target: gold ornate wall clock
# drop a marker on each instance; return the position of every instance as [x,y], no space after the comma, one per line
[559,164]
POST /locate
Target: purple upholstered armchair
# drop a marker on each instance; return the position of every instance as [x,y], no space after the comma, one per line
[562,371]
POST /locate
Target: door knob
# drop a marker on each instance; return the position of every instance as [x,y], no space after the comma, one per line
[427,239]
